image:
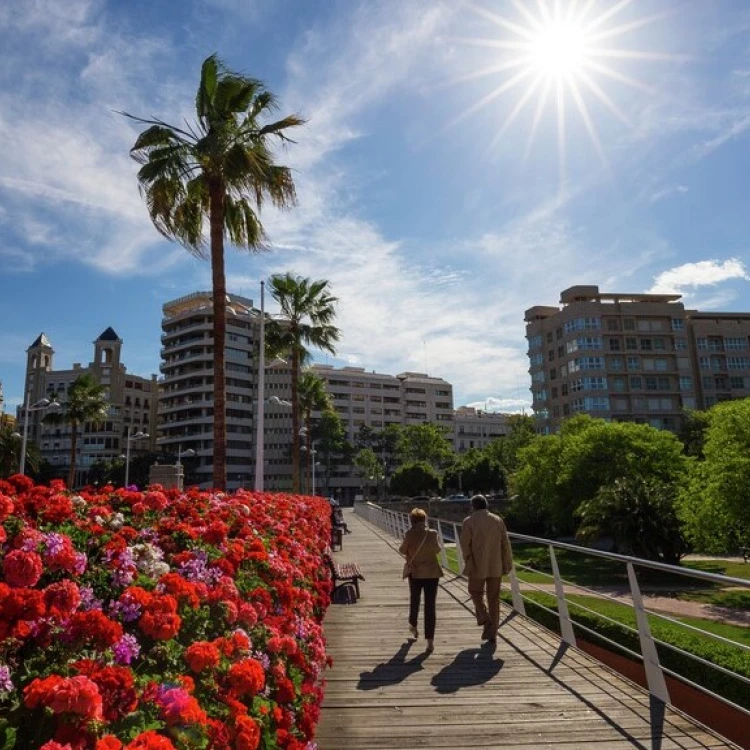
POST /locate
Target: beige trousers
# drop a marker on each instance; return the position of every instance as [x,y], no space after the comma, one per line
[489,612]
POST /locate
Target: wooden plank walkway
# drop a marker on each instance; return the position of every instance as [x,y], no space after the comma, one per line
[384,692]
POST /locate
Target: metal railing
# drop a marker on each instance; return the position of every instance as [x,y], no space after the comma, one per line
[396,524]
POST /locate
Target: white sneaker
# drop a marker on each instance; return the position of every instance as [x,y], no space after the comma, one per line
[414,632]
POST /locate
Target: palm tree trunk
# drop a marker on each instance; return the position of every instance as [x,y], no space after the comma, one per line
[295,416]
[216,191]
[73,442]
[310,457]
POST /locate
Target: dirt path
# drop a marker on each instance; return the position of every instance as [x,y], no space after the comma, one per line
[665,604]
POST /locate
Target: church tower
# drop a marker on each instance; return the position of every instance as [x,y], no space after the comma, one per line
[38,364]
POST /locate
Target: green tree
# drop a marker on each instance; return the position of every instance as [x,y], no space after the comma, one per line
[558,472]
[10,452]
[505,449]
[313,396]
[308,311]
[693,432]
[424,443]
[475,471]
[640,516]
[369,466]
[715,502]
[415,479]
[85,404]
[330,435]
[219,168]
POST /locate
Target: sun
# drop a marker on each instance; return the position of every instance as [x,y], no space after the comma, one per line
[559,54]
[559,49]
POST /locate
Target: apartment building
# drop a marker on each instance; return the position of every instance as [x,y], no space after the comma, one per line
[474,428]
[186,401]
[132,405]
[365,398]
[640,358]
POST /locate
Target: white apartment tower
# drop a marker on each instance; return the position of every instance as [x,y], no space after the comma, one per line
[186,405]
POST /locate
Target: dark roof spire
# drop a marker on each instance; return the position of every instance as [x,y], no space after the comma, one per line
[108,335]
[41,340]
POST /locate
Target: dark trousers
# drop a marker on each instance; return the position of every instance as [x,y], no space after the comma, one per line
[430,586]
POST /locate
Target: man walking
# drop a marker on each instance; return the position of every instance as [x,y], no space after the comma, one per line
[487,558]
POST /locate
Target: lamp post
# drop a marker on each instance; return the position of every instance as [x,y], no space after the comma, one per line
[313,453]
[40,405]
[183,454]
[260,427]
[129,440]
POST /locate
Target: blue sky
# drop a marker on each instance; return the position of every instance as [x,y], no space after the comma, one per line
[422,197]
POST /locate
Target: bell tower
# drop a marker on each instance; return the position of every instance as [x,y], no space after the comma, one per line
[38,364]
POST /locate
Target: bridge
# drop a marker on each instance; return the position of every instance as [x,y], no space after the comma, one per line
[536,689]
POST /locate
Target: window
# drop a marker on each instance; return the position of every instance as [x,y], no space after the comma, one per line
[551,355]
[686,383]
[660,365]
[561,351]
[536,359]
[708,382]
[582,324]
[549,337]
[628,324]
[678,324]
[634,363]
[559,333]
[614,345]
[636,382]
[618,384]
[538,377]
[734,344]
[649,325]
[704,363]
[586,363]
[584,342]
[737,363]
[615,363]
[737,382]
[646,345]
[702,344]
[589,384]
[659,344]
[680,344]
[631,343]
[553,374]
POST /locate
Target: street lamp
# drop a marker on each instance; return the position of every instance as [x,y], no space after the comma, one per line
[130,439]
[40,405]
[183,454]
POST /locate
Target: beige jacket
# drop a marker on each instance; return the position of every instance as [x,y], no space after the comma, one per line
[485,546]
[424,563]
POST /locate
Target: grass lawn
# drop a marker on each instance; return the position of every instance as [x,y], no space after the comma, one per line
[592,572]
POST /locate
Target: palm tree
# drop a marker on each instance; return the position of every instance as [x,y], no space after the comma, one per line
[221,169]
[313,396]
[86,403]
[307,312]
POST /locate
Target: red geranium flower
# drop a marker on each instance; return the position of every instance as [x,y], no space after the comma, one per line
[22,569]
[246,677]
[202,655]
[150,740]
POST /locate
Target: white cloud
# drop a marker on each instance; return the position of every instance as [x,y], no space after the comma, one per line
[703,273]
[503,405]
[667,192]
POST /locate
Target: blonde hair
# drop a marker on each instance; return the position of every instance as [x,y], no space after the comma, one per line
[416,516]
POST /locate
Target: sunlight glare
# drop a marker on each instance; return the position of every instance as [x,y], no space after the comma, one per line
[559,48]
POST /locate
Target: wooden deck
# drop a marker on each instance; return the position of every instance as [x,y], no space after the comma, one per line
[383,692]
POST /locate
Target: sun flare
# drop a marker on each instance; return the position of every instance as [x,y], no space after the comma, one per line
[559,48]
[558,53]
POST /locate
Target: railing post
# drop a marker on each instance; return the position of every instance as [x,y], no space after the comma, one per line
[657,685]
[459,554]
[515,590]
[443,553]
[566,624]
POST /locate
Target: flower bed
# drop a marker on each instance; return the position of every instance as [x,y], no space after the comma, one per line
[156,620]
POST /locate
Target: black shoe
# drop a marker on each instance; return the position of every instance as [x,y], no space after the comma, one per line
[487,632]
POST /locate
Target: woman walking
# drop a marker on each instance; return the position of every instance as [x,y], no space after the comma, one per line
[420,548]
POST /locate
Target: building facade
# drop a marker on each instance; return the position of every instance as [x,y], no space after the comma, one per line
[638,358]
[186,406]
[474,428]
[375,400]
[132,406]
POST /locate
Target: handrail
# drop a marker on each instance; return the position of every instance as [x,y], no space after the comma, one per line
[396,524]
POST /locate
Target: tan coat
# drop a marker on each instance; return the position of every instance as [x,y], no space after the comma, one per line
[485,546]
[424,563]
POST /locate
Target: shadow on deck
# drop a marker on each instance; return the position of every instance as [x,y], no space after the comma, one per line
[531,692]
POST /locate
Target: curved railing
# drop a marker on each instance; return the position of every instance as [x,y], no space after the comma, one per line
[396,524]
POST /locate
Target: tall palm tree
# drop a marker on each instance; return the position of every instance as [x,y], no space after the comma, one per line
[86,403]
[313,396]
[220,169]
[307,314]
